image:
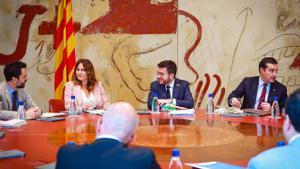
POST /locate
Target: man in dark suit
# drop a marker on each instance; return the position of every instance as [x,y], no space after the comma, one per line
[258,92]
[110,150]
[170,89]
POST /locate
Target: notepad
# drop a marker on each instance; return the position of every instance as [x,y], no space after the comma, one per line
[97,111]
[11,154]
[50,119]
[254,112]
[187,112]
[49,114]
[141,112]
[47,166]
[233,115]
[12,123]
[214,165]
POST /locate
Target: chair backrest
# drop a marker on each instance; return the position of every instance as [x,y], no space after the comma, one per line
[56,105]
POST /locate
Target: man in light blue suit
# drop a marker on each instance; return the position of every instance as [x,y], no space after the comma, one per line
[286,157]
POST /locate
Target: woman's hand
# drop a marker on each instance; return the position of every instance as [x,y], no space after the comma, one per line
[88,107]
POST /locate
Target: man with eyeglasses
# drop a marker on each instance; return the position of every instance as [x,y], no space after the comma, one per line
[258,92]
[168,88]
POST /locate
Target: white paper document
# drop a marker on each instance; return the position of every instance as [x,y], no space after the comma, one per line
[47,166]
[214,165]
[188,112]
[97,111]
[12,123]
[49,114]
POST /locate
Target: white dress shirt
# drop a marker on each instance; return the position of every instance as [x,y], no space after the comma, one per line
[171,88]
[91,100]
[109,137]
[171,91]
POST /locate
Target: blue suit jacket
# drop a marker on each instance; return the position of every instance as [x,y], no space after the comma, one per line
[248,89]
[105,153]
[286,157]
[181,92]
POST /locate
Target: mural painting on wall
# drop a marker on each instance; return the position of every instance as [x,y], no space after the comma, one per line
[125,17]
[29,12]
[129,19]
[143,17]
[46,28]
[287,19]
[134,18]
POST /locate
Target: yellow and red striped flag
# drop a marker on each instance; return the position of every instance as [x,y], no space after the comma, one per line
[64,46]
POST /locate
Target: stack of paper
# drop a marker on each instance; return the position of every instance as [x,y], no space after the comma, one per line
[253,112]
[187,112]
[48,114]
[97,111]
[12,123]
[230,112]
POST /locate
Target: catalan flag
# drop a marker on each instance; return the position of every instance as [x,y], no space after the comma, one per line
[64,46]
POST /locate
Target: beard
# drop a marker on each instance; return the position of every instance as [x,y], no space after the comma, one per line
[21,85]
[164,82]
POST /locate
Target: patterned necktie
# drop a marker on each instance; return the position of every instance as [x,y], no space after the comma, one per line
[14,101]
[168,92]
[262,96]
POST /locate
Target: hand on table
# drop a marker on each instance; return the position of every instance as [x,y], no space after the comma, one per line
[235,102]
[164,101]
[33,113]
[88,107]
[265,106]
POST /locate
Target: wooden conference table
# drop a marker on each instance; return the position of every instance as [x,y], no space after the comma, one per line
[200,138]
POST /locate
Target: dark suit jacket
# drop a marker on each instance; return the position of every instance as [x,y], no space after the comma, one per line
[105,154]
[181,92]
[248,89]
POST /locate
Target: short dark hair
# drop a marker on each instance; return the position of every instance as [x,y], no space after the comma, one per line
[292,109]
[263,63]
[13,69]
[170,65]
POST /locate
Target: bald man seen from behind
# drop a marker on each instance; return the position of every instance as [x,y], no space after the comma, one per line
[109,150]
